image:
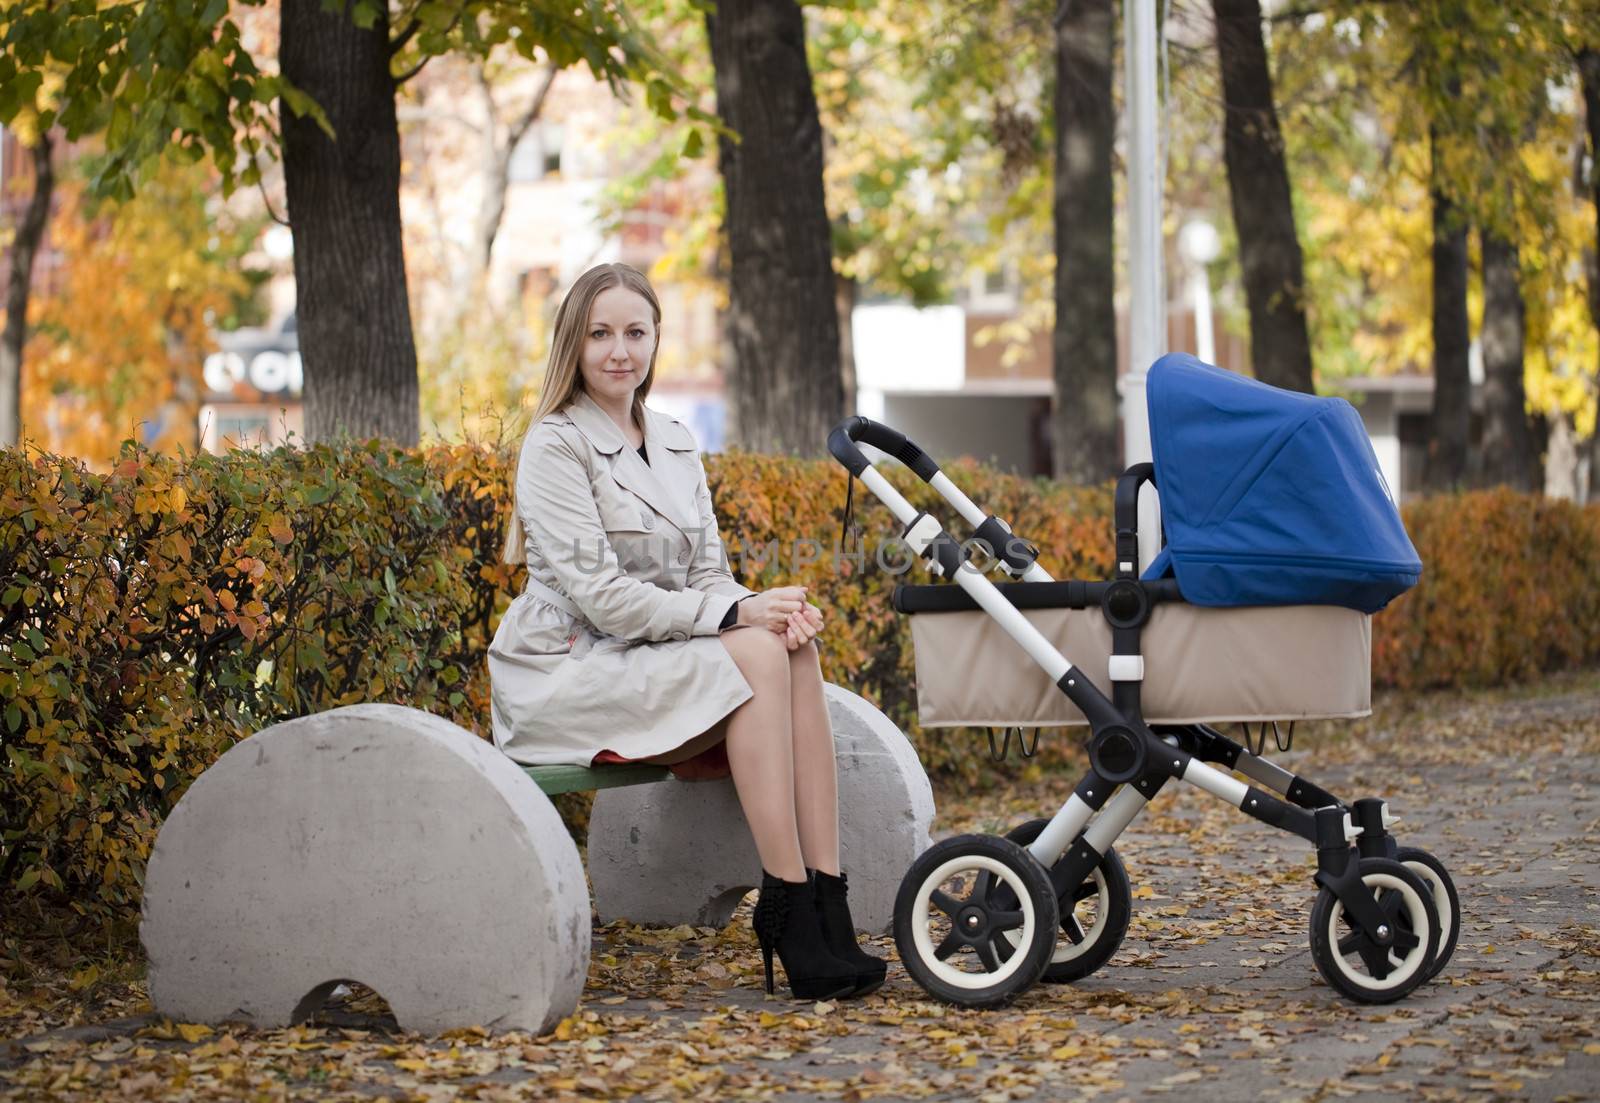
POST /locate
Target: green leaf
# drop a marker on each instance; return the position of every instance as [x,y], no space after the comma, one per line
[437,17]
[13,717]
[365,14]
[302,105]
[659,99]
[694,145]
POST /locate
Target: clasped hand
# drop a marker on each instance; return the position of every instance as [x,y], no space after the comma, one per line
[783,610]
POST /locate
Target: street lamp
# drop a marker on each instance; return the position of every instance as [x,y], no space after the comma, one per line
[1199,244]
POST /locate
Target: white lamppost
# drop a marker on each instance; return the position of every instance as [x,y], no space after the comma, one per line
[1146,277]
[1199,243]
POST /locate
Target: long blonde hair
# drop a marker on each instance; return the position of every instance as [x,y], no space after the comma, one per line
[563,380]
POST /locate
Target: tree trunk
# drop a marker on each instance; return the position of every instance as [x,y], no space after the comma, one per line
[1508,449]
[24,248]
[1589,68]
[344,206]
[1446,463]
[847,293]
[1083,416]
[783,323]
[1561,476]
[1263,211]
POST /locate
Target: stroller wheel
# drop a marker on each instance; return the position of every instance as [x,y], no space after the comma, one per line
[975,920]
[1094,918]
[1445,901]
[1348,957]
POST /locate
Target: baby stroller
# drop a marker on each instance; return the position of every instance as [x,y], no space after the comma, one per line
[1282,539]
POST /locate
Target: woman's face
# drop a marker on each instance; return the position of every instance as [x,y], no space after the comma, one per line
[617,345]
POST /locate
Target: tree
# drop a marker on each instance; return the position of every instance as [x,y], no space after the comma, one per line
[1589,76]
[479,344]
[1507,449]
[1386,109]
[202,94]
[1482,72]
[353,314]
[1263,210]
[1084,344]
[1446,465]
[783,325]
[24,248]
[119,337]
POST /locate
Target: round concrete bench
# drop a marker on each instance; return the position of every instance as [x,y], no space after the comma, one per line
[381,844]
[373,843]
[680,851]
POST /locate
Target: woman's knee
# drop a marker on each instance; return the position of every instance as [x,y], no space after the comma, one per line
[760,656]
[806,657]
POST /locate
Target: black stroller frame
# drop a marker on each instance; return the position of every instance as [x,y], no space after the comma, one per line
[1386,918]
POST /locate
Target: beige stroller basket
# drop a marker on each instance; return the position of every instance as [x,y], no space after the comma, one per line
[1203,665]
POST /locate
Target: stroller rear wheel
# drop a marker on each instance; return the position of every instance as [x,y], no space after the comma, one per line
[1351,958]
[975,920]
[1094,918]
[1445,901]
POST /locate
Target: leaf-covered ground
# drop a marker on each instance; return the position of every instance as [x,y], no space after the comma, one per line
[1213,989]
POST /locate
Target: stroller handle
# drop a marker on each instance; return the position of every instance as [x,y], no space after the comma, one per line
[842,443]
[1015,555]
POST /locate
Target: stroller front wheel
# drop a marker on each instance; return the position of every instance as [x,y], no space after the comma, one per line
[1352,960]
[1094,917]
[975,920]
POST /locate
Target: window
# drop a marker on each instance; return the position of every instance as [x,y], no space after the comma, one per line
[538,155]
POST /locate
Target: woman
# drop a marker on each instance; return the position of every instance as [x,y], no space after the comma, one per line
[633,642]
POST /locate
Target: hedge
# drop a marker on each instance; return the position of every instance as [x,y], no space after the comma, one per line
[153,615]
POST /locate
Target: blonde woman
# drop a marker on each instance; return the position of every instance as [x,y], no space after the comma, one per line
[633,642]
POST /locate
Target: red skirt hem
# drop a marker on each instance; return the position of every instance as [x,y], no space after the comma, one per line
[709,765]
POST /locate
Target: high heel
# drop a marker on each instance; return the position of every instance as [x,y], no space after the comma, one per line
[839,932]
[786,922]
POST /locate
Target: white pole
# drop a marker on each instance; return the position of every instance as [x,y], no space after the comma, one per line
[1199,244]
[1147,284]
[1205,345]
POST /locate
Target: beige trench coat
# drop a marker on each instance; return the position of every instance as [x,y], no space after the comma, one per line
[624,655]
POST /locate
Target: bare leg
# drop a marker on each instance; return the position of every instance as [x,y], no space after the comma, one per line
[816,782]
[761,751]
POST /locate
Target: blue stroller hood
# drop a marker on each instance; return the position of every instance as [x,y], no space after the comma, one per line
[1270,497]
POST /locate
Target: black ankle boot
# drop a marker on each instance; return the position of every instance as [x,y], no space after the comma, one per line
[786,921]
[839,932]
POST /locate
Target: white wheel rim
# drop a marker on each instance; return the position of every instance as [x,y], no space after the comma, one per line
[1403,969]
[922,909]
[1441,898]
[1066,949]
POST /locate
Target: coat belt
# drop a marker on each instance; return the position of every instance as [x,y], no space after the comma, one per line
[553,597]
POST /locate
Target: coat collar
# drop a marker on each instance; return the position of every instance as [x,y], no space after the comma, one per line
[662,484]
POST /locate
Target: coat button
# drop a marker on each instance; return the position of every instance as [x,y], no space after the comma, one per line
[647,521]
[680,636]
[683,558]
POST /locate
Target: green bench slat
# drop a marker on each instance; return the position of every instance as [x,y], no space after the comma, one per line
[579,779]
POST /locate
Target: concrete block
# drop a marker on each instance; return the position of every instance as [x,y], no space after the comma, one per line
[372,843]
[680,851]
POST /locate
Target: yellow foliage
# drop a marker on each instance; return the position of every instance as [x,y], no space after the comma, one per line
[119,336]
[1510,587]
